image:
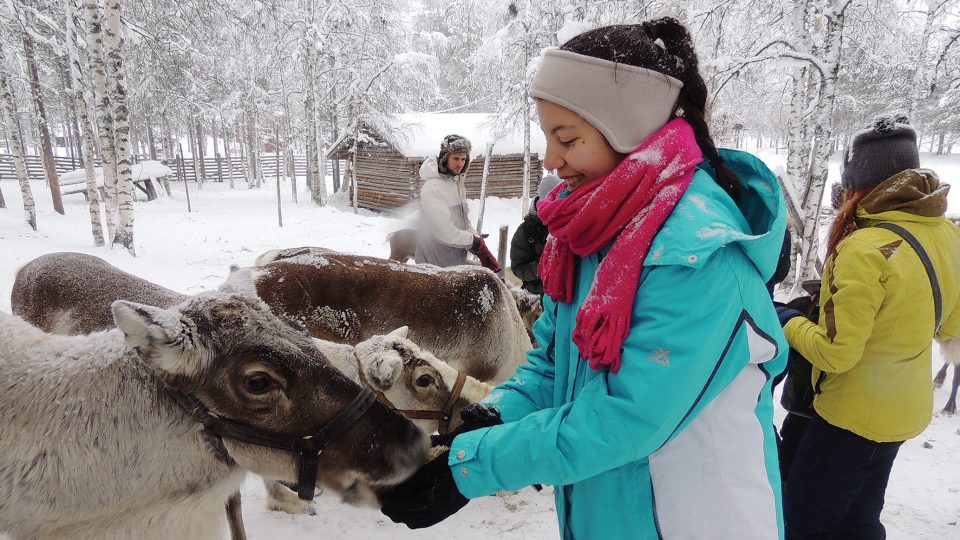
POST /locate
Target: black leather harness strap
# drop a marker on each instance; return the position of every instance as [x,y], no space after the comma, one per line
[308,447]
[445,414]
[927,265]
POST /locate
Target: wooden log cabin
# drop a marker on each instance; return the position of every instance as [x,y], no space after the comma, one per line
[389,158]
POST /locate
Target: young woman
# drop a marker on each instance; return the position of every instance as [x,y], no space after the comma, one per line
[648,405]
[870,349]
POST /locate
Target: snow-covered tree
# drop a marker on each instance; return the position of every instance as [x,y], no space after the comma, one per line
[25,18]
[11,121]
[80,106]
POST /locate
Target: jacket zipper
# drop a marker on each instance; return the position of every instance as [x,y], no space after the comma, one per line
[656,519]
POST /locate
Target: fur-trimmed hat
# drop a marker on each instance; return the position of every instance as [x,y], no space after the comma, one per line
[879,152]
[453,144]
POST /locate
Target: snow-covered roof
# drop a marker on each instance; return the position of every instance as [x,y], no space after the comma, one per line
[418,135]
[139,171]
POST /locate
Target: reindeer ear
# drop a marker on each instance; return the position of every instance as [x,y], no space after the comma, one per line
[159,336]
[400,332]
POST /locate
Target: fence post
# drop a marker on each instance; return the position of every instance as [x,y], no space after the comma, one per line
[219,169]
[502,252]
[183,176]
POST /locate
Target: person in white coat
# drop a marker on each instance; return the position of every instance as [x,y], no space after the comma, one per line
[446,234]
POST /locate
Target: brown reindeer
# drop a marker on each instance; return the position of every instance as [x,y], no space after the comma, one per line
[71,293]
[464,315]
[403,245]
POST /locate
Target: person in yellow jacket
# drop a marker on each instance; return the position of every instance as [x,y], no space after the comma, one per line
[871,348]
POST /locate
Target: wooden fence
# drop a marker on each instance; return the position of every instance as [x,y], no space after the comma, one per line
[214,169]
[35,166]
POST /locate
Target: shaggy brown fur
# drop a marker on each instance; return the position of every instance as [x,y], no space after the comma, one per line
[464,315]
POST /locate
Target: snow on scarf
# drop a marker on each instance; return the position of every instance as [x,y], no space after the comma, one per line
[627,206]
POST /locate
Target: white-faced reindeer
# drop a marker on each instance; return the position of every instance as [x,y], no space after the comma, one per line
[951,354]
[419,386]
[144,431]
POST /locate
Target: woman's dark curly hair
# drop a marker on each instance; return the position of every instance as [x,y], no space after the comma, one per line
[665,46]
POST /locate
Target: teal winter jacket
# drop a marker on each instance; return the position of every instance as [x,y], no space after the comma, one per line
[680,442]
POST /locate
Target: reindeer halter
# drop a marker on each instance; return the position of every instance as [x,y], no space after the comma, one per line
[307,446]
[443,416]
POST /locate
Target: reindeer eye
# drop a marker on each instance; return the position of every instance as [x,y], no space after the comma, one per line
[424,381]
[258,383]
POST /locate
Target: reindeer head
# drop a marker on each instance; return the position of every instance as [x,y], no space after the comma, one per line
[412,379]
[245,364]
[530,308]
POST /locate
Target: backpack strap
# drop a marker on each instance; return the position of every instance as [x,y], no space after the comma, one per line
[927,264]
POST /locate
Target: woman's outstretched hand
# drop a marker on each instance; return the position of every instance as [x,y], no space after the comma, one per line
[426,498]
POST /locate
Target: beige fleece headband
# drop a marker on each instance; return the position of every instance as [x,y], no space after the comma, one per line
[627,104]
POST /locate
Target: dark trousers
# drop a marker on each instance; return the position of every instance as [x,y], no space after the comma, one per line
[837,484]
[791,433]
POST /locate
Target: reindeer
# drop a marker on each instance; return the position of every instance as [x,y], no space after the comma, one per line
[463,314]
[420,386]
[145,430]
[403,245]
[950,349]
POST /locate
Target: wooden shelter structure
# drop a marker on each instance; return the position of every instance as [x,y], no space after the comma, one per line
[389,157]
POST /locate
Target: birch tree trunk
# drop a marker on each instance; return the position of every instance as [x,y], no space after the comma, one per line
[253,180]
[113,45]
[525,198]
[226,151]
[201,144]
[919,74]
[313,171]
[823,131]
[80,105]
[49,167]
[314,174]
[353,162]
[104,110]
[12,123]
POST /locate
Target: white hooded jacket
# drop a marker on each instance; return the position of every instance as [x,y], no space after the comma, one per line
[445,229]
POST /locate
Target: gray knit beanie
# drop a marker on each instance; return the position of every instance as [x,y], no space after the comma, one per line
[879,152]
[547,183]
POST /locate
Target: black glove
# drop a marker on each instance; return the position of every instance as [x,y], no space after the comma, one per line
[785,313]
[426,498]
[474,416]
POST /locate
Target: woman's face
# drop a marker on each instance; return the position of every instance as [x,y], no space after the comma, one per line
[576,150]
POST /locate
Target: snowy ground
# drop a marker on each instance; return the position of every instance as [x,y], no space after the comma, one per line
[191,252]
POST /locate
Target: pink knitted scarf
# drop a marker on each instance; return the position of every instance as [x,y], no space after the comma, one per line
[627,206]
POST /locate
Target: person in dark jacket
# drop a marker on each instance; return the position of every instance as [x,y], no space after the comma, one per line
[529,240]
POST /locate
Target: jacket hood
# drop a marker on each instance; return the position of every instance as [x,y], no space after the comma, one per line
[430,170]
[910,195]
[706,218]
